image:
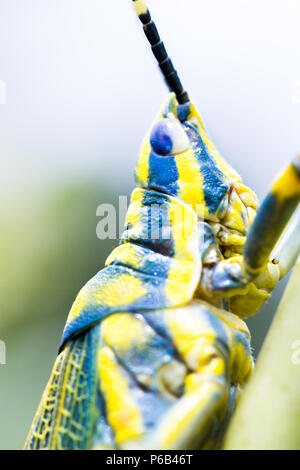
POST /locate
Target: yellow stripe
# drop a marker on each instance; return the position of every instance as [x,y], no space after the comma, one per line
[123,332]
[192,414]
[192,335]
[78,305]
[133,216]
[121,291]
[122,411]
[190,181]
[126,253]
[142,169]
[185,269]
[221,163]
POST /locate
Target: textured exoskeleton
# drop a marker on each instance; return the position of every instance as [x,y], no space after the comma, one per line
[155,353]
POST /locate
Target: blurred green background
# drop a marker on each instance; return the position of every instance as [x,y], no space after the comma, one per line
[81,90]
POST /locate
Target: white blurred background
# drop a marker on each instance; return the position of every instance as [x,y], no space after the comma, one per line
[81,89]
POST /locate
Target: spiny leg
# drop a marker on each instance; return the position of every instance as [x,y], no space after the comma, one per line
[166,375]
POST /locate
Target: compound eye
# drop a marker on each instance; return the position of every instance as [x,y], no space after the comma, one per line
[168,137]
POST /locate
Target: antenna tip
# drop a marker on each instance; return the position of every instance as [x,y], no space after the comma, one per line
[142,11]
[140,7]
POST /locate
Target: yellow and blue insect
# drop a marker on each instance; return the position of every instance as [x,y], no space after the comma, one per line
[155,353]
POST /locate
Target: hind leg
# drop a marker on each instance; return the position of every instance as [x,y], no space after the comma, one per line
[215,347]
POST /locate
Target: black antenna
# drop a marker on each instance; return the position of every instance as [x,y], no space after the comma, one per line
[165,64]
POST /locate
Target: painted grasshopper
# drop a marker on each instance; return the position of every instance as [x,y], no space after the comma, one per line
[155,353]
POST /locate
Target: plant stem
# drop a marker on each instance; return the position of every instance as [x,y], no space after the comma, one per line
[268,415]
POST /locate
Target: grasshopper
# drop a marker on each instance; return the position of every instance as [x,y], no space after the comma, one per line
[155,352]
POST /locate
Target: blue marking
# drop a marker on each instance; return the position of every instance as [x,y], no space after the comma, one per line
[157,267]
[221,333]
[154,230]
[156,319]
[151,405]
[147,359]
[153,264]
[216,184]
[207,235]
[158,223]
[163,174]
[223,279]
[183,111]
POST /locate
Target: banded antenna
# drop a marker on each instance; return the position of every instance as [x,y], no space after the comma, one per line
[165,64]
